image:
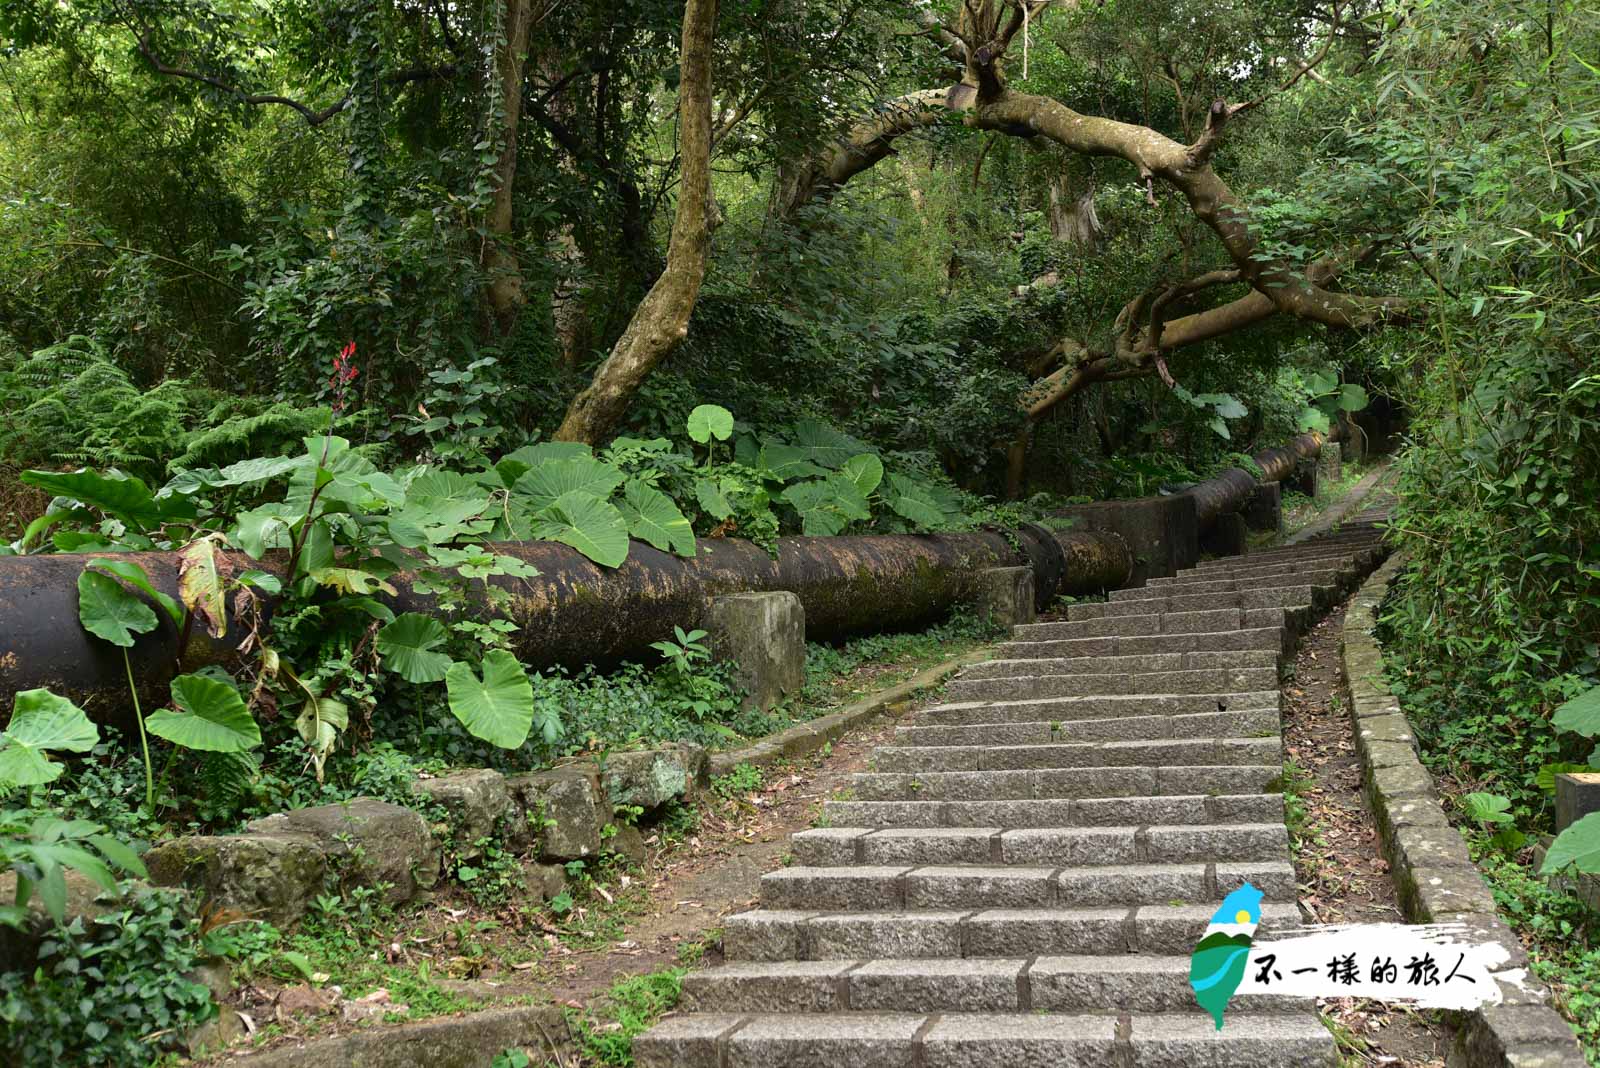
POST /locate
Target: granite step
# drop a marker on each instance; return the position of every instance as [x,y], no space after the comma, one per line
[1022,646]
[1160,752]
[838,848]
[1153,623]
[1263,597]
[1068,783]
[1187,584]
[985,1040]
[1139,663]
[785,934]
[1244,723]
[1062,709]
[1177,810]
[1081,983]
[1112,684]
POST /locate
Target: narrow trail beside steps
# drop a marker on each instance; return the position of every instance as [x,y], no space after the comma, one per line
[1023,874]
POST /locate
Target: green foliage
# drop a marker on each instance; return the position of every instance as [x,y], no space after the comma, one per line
[115,990]
[626,1011]
[40,849]
[208,715]
[742,780]
[499,707]
[41,723]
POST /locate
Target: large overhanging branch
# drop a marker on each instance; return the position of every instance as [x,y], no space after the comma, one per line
[312,115]
[863,145]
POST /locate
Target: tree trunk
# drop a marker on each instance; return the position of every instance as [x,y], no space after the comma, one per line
[662,319]
[506,296]
[1073,218]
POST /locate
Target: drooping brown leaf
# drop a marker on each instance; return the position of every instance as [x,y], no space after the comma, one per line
[203,573]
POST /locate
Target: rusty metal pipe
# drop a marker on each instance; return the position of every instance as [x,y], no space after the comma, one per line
[1228,491]
[573,612]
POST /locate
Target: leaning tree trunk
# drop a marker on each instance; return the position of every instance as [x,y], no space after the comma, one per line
[662,319]
[506,295]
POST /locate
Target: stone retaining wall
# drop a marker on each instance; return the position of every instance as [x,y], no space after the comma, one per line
[1433,872]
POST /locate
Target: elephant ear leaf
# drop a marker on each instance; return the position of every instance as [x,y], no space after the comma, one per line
[497,707]
[108,609]
[653,517]
[1578,846]
[210,716]
[588,524]
[42,722]
[410,647]
[865,471]
[1581,715]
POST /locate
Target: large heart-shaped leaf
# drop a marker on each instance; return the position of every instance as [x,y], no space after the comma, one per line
[653,517]
[108,609]
[545,484]
[827,506]
[257,470]
[1581,715]
[123,496]
[498,707]
[410,645]
[915,502]
[864,471]
[710,421]
[1352,398]
[827,446]
[139,579]
[588,524]
[1577,846]
[260,529]
[41,722]
[784,462]
[711,499]
[210,716]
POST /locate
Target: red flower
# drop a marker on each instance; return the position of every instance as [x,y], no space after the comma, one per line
[344,372]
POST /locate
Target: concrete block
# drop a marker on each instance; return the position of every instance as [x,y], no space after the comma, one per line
[475,800]
[652,777]
[1005,595]
[367,842]
[935,986]
[1577,795]
[1263,511]
[1163,532]
[764,636]
[973,1041]
[1227,536]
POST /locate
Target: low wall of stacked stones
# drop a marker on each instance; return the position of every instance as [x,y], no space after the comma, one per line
[1432,869]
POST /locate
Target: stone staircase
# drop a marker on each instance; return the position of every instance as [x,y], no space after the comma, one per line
[1022,876]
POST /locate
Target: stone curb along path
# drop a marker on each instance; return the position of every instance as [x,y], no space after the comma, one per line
[1433,872]
[1022,877]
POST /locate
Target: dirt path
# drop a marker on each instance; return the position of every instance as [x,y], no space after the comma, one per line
[717,871]
[1342,875]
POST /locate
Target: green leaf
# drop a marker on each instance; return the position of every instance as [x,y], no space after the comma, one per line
[351,580]
[210,716]
[827,506]
[1546,779]
[864,471]
[710,421]
[257,470]
[139,579]
[784,462]
[1314,419]
[653,517]
[409,647]
[498,707]
[120,854]
[709,496]
[1352,398]
[915,502]
[260,529]
[1229,407]
[1577,846]
[122,496]
[1219,427]
[545,484]
[1581,715]
[1486,808]
[108,609]
[41,722]
[828,447]
[319,724]
[588,524]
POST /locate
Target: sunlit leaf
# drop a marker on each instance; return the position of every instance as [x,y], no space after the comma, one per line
[498,707]
[653,517]
[109,610]
[588,524]
[410,647]
[42,722]
[210,716]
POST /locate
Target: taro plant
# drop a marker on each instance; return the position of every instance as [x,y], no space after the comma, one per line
[1578,846]
[1492,812]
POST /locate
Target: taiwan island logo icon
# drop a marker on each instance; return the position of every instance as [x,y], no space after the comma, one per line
[1425,965]
[1220,960]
